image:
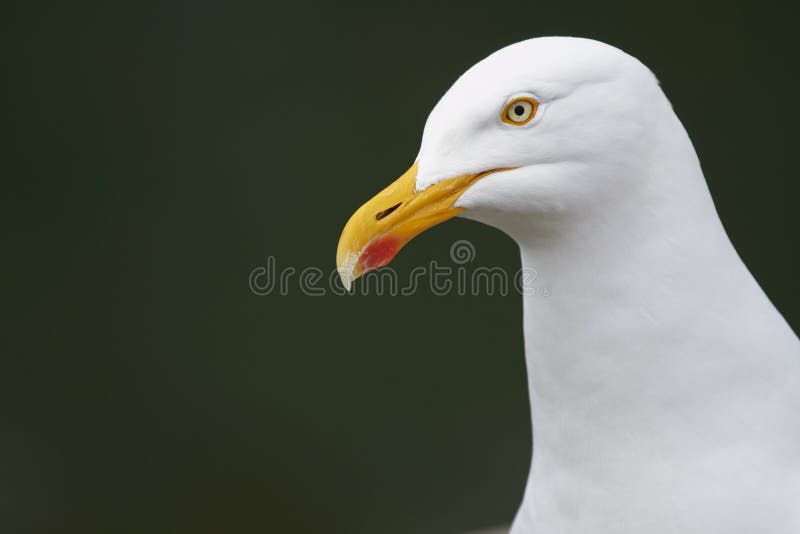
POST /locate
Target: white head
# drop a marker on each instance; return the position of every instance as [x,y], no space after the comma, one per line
[541,130]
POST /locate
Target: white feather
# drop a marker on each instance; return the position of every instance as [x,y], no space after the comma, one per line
[664,385]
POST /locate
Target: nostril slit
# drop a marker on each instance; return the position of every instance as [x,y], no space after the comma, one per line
[381,214]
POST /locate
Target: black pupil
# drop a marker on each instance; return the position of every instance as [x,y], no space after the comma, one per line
[519,110]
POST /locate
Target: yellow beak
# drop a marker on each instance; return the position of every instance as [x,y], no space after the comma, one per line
[381,227]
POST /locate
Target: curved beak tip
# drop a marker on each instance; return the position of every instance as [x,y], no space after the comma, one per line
[346,278]
[347,270]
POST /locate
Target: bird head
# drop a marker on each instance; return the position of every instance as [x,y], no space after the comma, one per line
[535,133]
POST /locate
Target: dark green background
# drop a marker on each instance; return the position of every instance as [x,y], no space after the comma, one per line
[154,154]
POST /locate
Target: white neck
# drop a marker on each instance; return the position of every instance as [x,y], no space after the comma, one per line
[653,349]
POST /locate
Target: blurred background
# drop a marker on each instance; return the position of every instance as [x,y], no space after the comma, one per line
[154,154]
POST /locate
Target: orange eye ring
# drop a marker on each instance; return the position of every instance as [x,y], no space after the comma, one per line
[520,111]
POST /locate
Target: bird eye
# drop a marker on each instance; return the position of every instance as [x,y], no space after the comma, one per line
[520,111]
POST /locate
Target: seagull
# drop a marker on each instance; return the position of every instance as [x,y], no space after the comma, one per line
[664,385]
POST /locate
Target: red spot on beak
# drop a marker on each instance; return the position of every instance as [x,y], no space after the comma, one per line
[378,253]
